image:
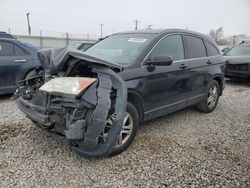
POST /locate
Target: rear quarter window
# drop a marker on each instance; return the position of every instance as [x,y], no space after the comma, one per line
[195,47]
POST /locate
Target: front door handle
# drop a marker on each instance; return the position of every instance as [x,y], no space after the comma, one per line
[20,60]
[183,66]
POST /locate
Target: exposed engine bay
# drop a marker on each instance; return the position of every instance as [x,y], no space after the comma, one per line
[74,100]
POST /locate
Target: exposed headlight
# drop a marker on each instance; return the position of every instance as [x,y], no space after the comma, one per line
[67,86]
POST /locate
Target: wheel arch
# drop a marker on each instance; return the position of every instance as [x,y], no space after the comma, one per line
[37,69]
[135,98]
[219,79]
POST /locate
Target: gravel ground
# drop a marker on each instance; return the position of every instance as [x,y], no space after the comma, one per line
[183,149]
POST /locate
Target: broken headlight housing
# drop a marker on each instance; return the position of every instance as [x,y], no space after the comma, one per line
[67,86]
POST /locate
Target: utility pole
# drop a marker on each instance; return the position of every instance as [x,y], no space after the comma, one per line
[28,19]
[149,26]
[41,40]
[101,28]
[136,24]
[67,38]
[234,40]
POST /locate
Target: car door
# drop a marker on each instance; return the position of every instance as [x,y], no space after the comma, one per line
[23,62]
[197,67]
[166,87]
[7,68]
[12,59]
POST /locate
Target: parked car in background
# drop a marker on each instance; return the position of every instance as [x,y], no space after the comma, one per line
[238,61]
[81,45]
[95,100]
[6,35]
[18,60]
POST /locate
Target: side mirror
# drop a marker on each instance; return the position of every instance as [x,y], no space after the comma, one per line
[225,50]
[160,61]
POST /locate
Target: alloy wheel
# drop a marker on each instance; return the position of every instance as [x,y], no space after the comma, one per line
[212,96]
[126,131]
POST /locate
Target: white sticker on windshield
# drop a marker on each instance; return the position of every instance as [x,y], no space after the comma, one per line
[139,40]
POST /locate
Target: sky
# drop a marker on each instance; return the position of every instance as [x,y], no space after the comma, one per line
[83,17]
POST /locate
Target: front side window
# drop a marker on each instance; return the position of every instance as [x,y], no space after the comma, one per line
[19,51]
[211,50]
[195,47]
[241,50]
[6,48]
[169,46]
[121,49]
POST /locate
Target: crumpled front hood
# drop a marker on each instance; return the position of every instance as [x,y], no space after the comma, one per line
[237,59]
[53,60]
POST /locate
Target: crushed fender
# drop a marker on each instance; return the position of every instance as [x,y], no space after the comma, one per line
[80,121]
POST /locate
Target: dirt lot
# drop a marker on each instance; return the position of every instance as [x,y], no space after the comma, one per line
[183,149]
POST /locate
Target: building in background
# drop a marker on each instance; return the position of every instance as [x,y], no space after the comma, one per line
[52,42]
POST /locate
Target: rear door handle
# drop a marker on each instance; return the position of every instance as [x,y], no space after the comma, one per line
[209,62]
[183,66]
[20,60]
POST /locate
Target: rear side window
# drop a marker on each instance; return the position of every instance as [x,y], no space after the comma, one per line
[211,50]
[170,46]
[195,47]
[6,49]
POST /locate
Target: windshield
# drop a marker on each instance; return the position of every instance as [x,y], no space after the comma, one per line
[29,45]
[120,48]
[239,50]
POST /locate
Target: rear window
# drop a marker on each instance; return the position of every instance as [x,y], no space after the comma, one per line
[195,47]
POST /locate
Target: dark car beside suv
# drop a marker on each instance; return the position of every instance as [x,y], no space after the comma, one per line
[96,100]
[6,35]
[238,61]
[18,60]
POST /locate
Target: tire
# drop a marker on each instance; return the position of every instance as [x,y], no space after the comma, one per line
[213,93]
[134,116]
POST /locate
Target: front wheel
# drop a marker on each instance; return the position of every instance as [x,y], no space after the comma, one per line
[209,104]
[129,130]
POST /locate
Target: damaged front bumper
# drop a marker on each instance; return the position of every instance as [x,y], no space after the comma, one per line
[82,122]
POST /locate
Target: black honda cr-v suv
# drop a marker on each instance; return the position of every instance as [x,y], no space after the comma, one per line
[96,99]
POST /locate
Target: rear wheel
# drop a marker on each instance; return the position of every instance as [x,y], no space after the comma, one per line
[129,129]
[211,101]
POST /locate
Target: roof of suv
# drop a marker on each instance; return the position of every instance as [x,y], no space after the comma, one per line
[163,31]
[8,39]
[166,31]
[6,35]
